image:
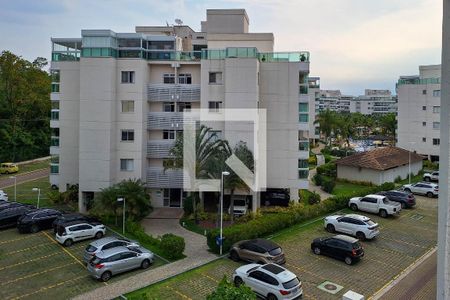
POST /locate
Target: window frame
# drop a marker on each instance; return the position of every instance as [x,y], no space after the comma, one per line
[127,77]
[127,135]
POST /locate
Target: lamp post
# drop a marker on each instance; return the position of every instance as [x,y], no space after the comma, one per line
[409,162]
[224,173]
[15,187]
[39,195]
[122,199]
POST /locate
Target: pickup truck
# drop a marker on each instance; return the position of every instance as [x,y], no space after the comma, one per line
[376,204]
[434,176]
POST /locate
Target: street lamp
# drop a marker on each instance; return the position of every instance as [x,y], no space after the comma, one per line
[409,161]
[15,187]
[224,173]
[39,194]
[122,199]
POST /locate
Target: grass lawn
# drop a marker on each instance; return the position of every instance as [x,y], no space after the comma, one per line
[414,179]
[34,166]
[25,193]
[347,187]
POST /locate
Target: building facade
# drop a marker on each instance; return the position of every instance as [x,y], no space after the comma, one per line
[375,102]
[419,106]
[118,101]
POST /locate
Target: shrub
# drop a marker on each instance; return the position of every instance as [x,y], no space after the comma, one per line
[227,291]
[312,160]
[188,206]
[430,165]
[172,245]
[328,185]
[398,179]
[314,198]
[318,179]
[328,169]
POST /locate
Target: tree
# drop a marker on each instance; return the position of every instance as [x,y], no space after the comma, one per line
[345,126]
[327,124]
[227,291]
[24,108]
[388,124]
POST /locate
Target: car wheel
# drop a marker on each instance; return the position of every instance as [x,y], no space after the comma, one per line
[316,250]
[68,243]
[348,260]
[407,190]
[99,235]
[238,281]
[403,205]
[383,213]
[427,178]
[354,207]
[272,297]
[430,195]
[234,256]
[34,228]
[360,236]
[330,228]
[145,264]
[106,276]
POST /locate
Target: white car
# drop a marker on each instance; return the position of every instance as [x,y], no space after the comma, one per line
[3,196]
[433,176]
[359,226]
[423,188]
[240,206]
[269,281]
[68,233]
[376,204]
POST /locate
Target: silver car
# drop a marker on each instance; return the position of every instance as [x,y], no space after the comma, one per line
[105,244]
[108,263]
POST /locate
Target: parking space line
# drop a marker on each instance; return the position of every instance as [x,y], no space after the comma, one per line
[209,277]
[26,249]
[64,249]
[31,260]
[35,274]
[179,293]
[396,252]
[305,271]
[404,242]
[382,263]
[19,239]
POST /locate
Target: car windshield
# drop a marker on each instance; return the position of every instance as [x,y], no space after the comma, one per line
[292,283]
[386,201]
[91,248]
[370,222]
[275,251]
[239,202]
[252,269]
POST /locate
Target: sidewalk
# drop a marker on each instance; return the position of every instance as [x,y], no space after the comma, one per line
[314,188]
[5,181]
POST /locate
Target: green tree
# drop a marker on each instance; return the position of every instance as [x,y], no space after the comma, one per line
[227,291]
[388,125]
[327,124]
[24,108]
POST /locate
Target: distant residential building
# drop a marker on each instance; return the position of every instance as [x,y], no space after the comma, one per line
[419,106]
[333,100]
[375,102]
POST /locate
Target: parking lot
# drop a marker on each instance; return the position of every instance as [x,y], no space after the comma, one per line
[403,239]
[35,265]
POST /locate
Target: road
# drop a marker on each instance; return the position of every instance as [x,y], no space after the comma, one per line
[5,181]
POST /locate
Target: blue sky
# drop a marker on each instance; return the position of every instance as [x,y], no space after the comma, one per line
[354,44]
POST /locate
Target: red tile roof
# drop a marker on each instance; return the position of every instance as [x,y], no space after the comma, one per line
[381,158]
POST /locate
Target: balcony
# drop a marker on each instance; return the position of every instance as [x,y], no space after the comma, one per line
[165,120]
[173,92]
[158,178]
[159,148]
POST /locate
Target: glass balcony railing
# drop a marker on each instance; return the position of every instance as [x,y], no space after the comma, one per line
[66,55]
[419,81]
[284,56]
[54,141]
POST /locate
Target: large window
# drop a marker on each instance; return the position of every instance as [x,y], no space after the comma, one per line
[169,78]
[184,106]
[214,106]
[168,134]
[303,146]
[215,77]
[436,109]
[54,169]
[169,106]
[54,115]
[55,104]
[303,170]
[436,93]
[303,107]
[54,74]
[436,125]
[127,135]
[303,118]
[184,79]
[127,76]
[436,142]
[126,164]
[127,106]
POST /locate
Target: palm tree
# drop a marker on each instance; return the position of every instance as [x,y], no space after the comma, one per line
[327,121]
[345,126]
[388,124]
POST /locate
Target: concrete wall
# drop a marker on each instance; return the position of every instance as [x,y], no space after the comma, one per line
[262,41]
[226,21]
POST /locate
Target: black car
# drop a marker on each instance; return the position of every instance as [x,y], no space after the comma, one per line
[66,218]
[340,247]
[407,200]
[10,215]
[36,220]
[8,204]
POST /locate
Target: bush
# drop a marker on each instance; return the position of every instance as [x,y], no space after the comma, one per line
[318,179]
[172,245]
[314,198]
[328,169]
[188,206]
[227,291]
[312,160]
[328,185]
[398,179]
[427,164]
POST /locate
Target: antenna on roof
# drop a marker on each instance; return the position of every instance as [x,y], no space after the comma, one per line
[179,21]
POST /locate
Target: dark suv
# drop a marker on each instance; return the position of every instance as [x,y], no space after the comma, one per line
[10,215]
[260,251]
[407,200]
[340,247]
[36,220]
[66,218]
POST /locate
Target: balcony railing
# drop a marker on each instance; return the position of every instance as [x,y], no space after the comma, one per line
[419,81]
[165,120]
[301,56]
[66,55]
[158,178]
[173,92]
[159,148]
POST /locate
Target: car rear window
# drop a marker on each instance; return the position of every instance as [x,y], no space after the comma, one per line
[292,283]
[91,248]
[356,245]
[276,251]
[95,260]
[370,222]
[61,230]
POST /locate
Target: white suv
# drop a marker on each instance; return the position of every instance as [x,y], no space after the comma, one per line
[359,226]
[423,188]
[269,281]
[77,231]
[3,196]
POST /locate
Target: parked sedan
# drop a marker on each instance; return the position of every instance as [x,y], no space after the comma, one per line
[422,188]
[75,231]
[104,244]
[258,250]
[66,218]
[108,263]
[356,225]
[36,220]
[406,200]
[269,281]
[340,247]
[9,216]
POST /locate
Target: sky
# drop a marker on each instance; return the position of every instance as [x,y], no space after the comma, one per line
[354,44]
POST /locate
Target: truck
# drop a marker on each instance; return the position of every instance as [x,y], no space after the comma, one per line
[376,204]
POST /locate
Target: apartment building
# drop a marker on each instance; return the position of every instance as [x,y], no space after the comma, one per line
[333,100]
[314,95]
[419,105]
[375,102]
[118,101]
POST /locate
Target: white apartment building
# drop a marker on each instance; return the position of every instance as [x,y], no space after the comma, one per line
[118,99]
[375,102]
[419,105]
[333,100]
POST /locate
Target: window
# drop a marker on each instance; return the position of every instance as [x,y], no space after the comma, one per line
[436,142]
[55,87]
[54,159]
[127,106]
[169,78]
[436,125]
[55,104]
[169,106]
[184,79]
[424,123]
[302,135]
[303,118]
[436,109]
[54,169]
[303,107]
[127,135]
[126,164]
[424,92]
[424,108]
[436,93]
[303,174]
[214,106]
[303,146]
[169,134]
[184,106]
[424,139]
[127,76]
[54,74]
[54,115]
[215,77]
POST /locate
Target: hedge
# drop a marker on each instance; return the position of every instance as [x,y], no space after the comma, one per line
[268,224]
[328,169]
